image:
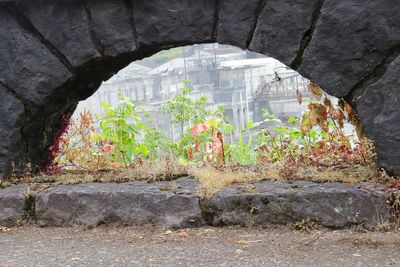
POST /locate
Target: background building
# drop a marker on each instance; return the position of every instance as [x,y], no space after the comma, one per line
[244,83]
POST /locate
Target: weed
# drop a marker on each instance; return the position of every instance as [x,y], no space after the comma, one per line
[394,204]
[304,225]
[387,225]
[120,127]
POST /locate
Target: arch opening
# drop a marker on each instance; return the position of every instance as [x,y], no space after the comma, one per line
[55,53]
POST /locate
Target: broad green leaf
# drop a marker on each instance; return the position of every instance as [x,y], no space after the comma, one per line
[252,124]
[292,120]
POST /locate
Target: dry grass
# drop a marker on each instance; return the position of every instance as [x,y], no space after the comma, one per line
[149,170]
[211,179]
[393,222]
[355,174]
[388,226]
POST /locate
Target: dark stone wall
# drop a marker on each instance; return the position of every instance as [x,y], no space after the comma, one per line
[55,53]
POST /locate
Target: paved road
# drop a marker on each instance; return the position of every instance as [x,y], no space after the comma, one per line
[31,246]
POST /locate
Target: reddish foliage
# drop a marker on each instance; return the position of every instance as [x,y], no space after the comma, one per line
[50,166]
[197,145]
[106,148]
[190,154]
[198,129]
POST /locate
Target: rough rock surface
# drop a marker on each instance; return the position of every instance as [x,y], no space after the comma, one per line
[55,53]
[331,205]
[12,112]
[111,26]
[281,28]
[161,22]
[12,205]
[350,41]
[26,65]
[73,40]
[231,12]
[169,204]
[383,120]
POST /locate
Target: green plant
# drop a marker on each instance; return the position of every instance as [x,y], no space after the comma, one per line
[187,112]
[242,152]
[120,126]
[304,225]
[317,139]
[183,110]
[156,142]
[282,141]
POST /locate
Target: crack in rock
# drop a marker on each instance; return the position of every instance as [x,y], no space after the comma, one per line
[217,7]
[377,73]
[260,8]
[95,40]
[308,36]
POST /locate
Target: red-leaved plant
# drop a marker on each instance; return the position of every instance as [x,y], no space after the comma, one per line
[50,166]
[209,142]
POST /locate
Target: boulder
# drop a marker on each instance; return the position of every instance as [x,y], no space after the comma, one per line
[12,205]
[332,205]
[65,26]
[26,65]
[168,204]
[237,20]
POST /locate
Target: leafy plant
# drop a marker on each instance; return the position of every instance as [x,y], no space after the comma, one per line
[77,149]
[317,139]
[242,152]
[120,126]
[157,143]
[304,225]
[183,110]
[209,142]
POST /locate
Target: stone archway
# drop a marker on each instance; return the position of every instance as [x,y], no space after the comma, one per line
[55,53]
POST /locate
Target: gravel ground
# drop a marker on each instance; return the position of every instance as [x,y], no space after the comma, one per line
[133,246]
